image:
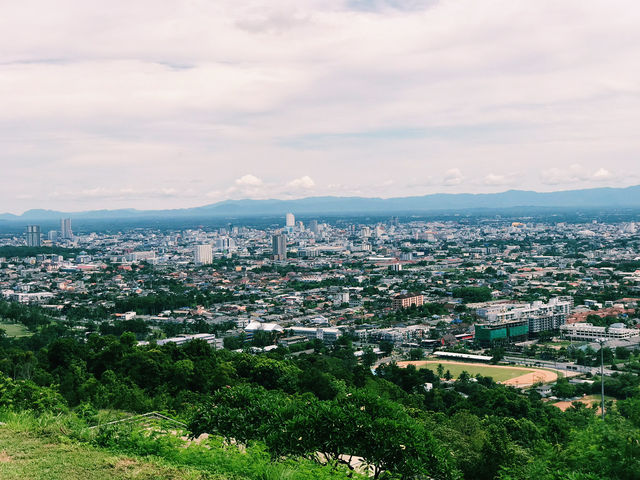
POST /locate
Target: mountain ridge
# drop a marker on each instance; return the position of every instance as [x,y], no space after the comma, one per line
[608,197]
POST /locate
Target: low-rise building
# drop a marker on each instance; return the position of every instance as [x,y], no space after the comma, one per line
[488,334]
[408,299]
[587,331]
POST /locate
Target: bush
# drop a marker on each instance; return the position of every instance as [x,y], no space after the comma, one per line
[26,395]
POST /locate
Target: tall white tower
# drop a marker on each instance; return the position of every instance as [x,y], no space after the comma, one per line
[65,228]
[203,254]
[290,220]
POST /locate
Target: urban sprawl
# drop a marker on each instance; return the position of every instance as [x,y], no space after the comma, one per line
[540,293]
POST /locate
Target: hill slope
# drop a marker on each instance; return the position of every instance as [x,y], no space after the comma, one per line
[25,455]
[60,447]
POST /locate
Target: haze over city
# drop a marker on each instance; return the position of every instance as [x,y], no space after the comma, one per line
[176,104]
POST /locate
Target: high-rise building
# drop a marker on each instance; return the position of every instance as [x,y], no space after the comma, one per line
[290,220]
[203,254]
[53,236]
[225,243]
[65,229]
[33,236]
[279,245]
[313,226]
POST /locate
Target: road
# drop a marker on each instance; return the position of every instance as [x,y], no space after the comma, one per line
[567,366]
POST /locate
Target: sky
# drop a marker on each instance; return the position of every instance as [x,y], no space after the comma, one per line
[169,104]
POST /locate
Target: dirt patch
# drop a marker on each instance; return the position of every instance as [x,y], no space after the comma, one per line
[539,376]
[589,400]
[5,457]
[423,363]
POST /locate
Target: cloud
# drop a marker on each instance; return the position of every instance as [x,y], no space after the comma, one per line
[273,21]
[305,182]
[576,173]
[493,179]
[215,194]
[122,193]
[248,181]
[602,174]
[382,5]
[353,92]
[452,177]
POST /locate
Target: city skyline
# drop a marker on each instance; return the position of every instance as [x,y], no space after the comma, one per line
[178,105]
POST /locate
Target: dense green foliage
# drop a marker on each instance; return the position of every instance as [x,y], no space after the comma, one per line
[360,424]
[473,294]
[326,407]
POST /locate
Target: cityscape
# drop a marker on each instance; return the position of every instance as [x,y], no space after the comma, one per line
[320,240]
[492,283]
[549,309]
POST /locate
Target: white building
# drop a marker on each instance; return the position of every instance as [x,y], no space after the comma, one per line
[290,220]
[587,331]
[182,339]
[541,316]
[225,243]
[327,335]
[148,255]
[340,298]
[203,254]
[65,229]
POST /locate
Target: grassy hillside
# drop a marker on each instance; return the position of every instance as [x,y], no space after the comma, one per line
[61,447]
[26,455]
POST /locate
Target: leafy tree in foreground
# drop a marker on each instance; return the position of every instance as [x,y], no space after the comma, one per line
[360,424]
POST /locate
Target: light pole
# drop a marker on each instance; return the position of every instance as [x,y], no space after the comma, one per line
[602,342]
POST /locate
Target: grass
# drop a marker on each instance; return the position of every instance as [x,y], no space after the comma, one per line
[499,374]
[61,447]
[25,455]
[15,330]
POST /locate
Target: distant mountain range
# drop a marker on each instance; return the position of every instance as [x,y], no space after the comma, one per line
[628,197]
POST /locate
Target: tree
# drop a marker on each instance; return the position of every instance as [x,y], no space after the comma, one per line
[497,354]
[622,353]
[386,347]
[361,424]
[368,357]
[563,389]
[233,342]
[262,338]
[607,449]
[473,294]
[416,354]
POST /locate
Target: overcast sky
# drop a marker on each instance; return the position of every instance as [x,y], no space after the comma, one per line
[162,104]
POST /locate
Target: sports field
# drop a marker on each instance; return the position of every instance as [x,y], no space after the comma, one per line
[508,375]
[15,330]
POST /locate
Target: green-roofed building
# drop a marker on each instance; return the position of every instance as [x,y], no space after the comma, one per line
[489,334]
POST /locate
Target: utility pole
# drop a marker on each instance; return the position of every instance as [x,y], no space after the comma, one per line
[602,342]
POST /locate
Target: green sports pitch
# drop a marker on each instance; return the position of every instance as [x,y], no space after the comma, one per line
[14,330]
